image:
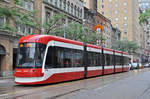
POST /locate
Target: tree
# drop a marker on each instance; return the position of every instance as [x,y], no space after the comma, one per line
[77,31]
[52,25]
[126,46]
[144,16]
[16,15]
[74,30]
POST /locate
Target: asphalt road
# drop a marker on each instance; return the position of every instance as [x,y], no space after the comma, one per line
[128,85]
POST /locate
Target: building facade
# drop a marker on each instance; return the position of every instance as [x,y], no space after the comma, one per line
[9,39]
[73,9]
[144,5]
[115,35]
[107,29]
[123,15]
[99,18]
[91,4]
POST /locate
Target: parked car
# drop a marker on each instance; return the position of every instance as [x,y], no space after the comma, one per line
[147,65]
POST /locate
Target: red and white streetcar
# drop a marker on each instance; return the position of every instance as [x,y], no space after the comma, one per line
[44,59]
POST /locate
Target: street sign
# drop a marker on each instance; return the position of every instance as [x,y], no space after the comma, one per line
[98,26]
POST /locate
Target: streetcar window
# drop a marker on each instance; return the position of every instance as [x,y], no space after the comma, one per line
[67,58]
[119,60]
[30,55]
[107,60]
[58,57]
[77,58]
[49,58]
[90,57]
[94,59]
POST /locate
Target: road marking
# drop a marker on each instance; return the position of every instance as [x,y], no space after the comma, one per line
[101,87]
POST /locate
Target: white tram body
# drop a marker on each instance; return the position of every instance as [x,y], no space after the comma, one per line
[47,59]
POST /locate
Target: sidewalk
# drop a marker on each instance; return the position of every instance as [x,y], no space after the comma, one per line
[9,77]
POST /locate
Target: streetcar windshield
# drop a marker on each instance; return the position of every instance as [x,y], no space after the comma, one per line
[30,55]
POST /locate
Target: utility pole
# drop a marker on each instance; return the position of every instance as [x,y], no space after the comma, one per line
[99,29]
[85,55]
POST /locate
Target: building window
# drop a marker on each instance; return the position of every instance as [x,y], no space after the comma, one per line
[102,13]
[64,5]
[47,16]
[60,4]
[68,7]
[2,21]
[102,6]
[125,18]
[56,1]
[51,1]
[75,8]
[116,5]
[29,30]
[28,5]
[81,13]
[78,12]
[116,11]
[24,29]
[116,19]
[125,3]
[71,8]
[117,25]
[102,0]
[125,11]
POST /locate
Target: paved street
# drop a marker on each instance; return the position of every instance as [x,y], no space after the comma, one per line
[129,85]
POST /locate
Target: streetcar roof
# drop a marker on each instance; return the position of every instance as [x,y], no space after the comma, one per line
[44,39]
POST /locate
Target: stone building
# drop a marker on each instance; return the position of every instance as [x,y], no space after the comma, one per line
[115,35]
[106,33]
[8,45]
[73,9]
[93,17]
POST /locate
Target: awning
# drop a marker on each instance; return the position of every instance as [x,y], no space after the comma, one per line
[2,50]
